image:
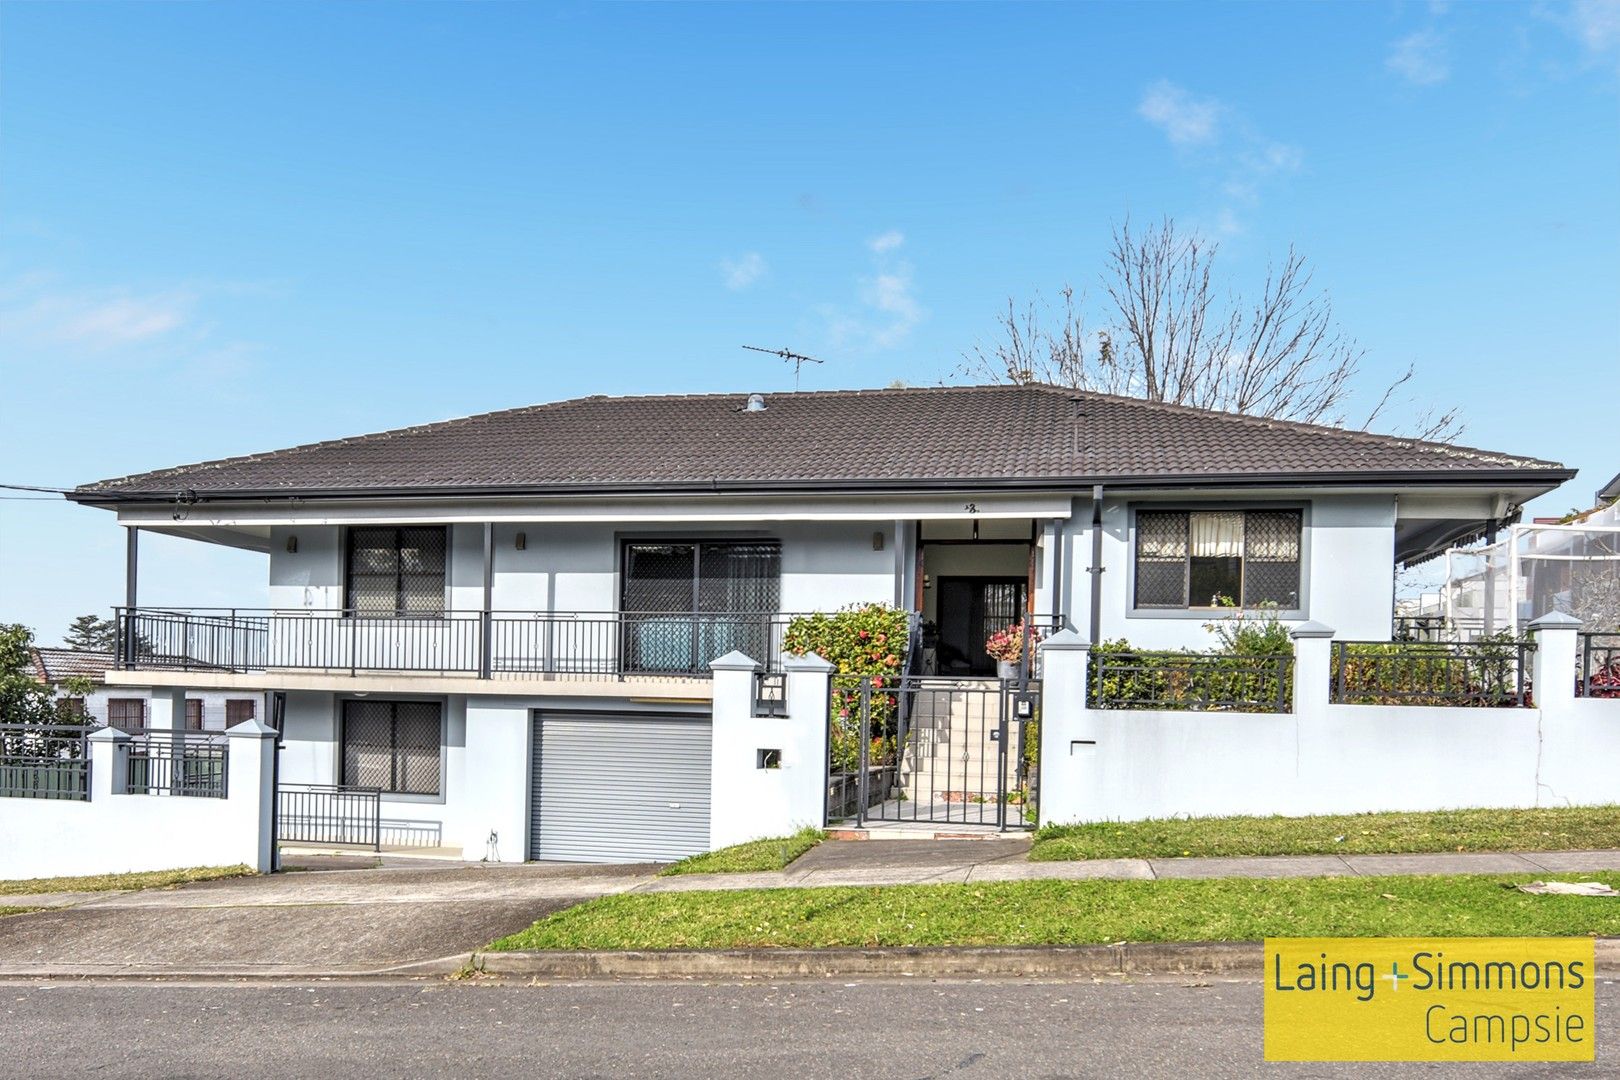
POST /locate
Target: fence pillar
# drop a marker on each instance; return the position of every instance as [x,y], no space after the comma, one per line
[733,808]
[109,762]
[808,727]
[1313,669]
[250,791]
[1068,751]
[1553,671]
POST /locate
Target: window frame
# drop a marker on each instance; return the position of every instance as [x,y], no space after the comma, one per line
[200,708]
[342,743]
[351,611]
[1206,614]
[252,710]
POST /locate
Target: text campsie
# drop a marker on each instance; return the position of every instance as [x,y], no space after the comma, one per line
[1438,999]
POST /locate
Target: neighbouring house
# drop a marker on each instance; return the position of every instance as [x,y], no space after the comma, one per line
[127,707]
[505,622]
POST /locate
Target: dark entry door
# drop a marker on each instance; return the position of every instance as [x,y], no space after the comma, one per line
[970,609]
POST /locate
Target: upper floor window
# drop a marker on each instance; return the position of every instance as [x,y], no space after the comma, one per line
[396,570]
[1218,558]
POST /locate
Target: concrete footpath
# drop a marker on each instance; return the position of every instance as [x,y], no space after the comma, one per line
[347,917]
[938,862]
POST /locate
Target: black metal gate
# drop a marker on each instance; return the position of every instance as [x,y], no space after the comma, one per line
[934,750]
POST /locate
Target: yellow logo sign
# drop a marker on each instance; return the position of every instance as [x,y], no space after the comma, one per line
[1429,999]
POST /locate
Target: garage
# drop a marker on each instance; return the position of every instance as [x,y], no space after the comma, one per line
[619,787]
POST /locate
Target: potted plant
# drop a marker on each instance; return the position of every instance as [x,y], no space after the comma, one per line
[1006,648]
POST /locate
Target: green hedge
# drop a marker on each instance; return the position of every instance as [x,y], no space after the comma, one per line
[860,641]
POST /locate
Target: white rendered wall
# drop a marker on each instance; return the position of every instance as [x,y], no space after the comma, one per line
[747,802]
[114,833]
[1349,577]
[574,567]
[95,703]
[1126,764]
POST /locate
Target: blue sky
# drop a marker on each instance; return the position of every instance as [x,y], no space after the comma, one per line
[228,228]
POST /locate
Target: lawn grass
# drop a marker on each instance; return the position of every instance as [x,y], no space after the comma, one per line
[146,879]
[772,854]
[1073,913]
[1560,829]
[4,911]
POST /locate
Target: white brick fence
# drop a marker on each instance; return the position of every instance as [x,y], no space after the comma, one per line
[1129,764]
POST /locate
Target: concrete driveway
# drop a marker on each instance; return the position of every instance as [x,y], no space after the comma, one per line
[340,921]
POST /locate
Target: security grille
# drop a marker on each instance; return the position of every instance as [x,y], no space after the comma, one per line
[397,571]
[392,745]
[1271,558]
[1161,560]
[687,603]
[1268,559]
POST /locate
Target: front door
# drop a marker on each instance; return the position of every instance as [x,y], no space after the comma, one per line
[970,609]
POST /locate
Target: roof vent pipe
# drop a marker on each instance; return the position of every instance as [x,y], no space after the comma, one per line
[756,403]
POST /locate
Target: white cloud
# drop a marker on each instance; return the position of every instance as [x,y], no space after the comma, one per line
[1184,119]
[886,242]
[887,310]
[97,321]
[1596,24]
[890,294]
[1237,160]
[744,270]
[1421,58]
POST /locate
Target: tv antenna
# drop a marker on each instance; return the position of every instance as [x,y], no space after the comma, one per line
[798,360]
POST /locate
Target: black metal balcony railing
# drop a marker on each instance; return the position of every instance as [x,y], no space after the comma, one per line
[500,644]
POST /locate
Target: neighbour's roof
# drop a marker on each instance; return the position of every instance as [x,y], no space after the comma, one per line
[1611,490]
[895,438]
[51,666]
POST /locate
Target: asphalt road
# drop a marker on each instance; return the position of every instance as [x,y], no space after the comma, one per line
[785,1031]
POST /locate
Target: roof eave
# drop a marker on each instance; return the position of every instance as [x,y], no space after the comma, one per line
[1545,478]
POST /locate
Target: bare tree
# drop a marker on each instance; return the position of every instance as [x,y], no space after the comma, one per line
[1169,335]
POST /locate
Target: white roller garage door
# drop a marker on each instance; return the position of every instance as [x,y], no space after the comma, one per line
[619,787]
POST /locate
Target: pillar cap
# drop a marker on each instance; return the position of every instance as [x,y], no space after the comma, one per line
[1065,640]
[734,661]
[255,727]
[1557,620]
[111,734]
[1311,629]
[807,662]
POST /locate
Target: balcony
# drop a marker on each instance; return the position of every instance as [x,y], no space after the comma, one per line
[490,645]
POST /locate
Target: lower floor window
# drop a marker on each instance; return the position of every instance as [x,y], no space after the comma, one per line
[392,745]
[238,711]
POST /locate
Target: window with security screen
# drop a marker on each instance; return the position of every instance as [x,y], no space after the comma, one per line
[393,745]
[1195,559]
[685,603]
[395,571]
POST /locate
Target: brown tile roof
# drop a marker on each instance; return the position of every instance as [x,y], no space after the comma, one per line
[859,438]
[51,666]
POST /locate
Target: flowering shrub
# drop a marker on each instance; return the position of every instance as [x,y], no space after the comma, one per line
[860,641]
[1007,645]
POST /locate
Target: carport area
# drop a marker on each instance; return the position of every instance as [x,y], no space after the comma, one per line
[341,920]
